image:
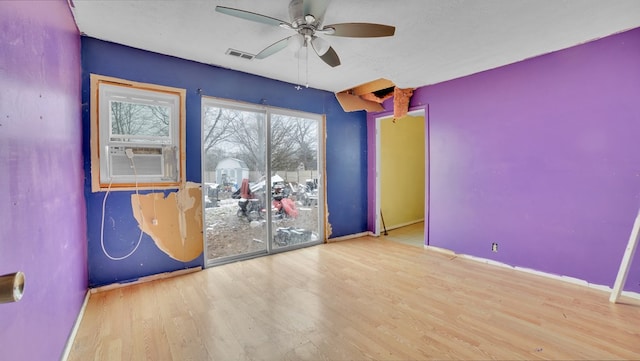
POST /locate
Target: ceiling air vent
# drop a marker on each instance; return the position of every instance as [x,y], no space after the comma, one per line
[239,54]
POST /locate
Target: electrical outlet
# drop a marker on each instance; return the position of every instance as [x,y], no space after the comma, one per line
[494,247]
[154,222]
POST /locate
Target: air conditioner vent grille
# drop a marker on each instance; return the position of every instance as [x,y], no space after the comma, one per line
[239,54]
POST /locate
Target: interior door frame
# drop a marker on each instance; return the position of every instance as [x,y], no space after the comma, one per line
[417,111]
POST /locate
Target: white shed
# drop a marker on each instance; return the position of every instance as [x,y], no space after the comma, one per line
[231,171]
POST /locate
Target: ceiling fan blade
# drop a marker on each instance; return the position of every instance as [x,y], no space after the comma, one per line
[330,57]
[359,30]
[247,15]
[273,48]
[320,45]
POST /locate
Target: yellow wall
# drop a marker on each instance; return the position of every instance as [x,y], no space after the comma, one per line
[401,171]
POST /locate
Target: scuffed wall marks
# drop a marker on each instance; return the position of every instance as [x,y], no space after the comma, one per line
[173,222]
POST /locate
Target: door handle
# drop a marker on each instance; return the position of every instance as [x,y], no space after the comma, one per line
[11,287]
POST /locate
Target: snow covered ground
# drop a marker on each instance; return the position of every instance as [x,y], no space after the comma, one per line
[227,234]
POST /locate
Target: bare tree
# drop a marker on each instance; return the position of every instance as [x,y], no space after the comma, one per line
[305,133]
[124,118]
[139,119]
[243,134]
[159,118]
[212,157]
[217,126]
[248,134]
[283,145]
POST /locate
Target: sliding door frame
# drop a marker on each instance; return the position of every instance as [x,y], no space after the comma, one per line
[268,111]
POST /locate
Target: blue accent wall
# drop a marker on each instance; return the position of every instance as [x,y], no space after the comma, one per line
[346,151]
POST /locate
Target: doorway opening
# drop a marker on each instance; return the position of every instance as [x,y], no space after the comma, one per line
[262,186]
[402,178]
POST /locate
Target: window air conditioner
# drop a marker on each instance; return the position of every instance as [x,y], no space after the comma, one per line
[142,164]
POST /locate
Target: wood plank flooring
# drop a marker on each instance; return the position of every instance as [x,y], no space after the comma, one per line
[361,299]
[412,234]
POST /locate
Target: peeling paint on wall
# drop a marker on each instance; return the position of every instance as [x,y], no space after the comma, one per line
[327,228]
[174,222]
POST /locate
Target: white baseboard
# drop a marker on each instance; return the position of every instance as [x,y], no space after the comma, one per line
[158,276]
[74,330]
[568,279]
[396,226]
[349,236]
[448,252]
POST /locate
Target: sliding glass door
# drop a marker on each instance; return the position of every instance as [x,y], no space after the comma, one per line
[261,180]
[295,164]
[234,152]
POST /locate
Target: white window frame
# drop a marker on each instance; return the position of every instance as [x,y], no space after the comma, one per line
[160,159]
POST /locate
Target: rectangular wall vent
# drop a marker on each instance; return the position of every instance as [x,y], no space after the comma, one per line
[239,54]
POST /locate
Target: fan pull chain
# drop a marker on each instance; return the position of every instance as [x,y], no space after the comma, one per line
[306,83]
[298,87]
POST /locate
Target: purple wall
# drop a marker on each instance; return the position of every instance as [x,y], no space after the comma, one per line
[42,211]
[541,157]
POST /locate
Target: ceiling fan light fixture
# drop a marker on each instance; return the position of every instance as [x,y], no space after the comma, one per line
[295,42]
[310,19]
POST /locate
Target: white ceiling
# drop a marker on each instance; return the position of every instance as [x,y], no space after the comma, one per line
[435,40]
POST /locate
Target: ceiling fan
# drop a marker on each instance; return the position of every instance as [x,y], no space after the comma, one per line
[306,20]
